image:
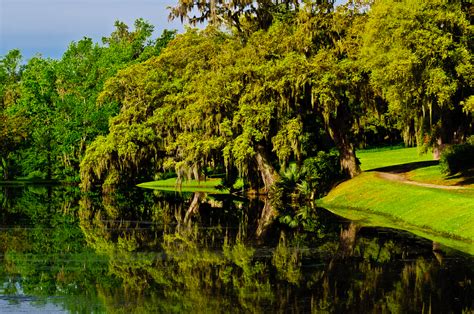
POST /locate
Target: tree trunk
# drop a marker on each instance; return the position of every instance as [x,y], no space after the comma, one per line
[269,177]
[193,207]
[348,160]
[267,172]
[348,239]
[266,218]
[438,149]
[347,157]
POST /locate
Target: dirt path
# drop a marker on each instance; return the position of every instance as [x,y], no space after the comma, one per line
[401,178]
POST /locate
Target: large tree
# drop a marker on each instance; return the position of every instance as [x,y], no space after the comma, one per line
[235,13]
[419,56]
[211,99]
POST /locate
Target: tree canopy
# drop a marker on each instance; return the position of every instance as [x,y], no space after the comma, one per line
[265,84]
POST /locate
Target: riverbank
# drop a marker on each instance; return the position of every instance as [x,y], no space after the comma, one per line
[389,197]
[23,182]
[209,185]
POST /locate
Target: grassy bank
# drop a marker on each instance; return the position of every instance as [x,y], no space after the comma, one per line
[23,182]
[445,216]
[209,185]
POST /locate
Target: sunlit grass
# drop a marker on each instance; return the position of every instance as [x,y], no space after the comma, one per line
[446,212]
[446,216]
[366,218]
[171,184]
[210,185]
[433,175]
[377,158]
[386,157]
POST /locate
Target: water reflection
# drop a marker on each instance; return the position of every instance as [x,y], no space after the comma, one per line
[148,251]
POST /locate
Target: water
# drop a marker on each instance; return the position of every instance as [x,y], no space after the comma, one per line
[142,252]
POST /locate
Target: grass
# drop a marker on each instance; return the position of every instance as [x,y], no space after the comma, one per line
[379,158]
[170,184]
[445,216]
[432,174]
[444,213]
[416,167]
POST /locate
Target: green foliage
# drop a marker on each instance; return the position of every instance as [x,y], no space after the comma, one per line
[243,15]
[420,61]
[285,81]
[54,102]
[213,100]
[313,180]
[322,172]
[457,158]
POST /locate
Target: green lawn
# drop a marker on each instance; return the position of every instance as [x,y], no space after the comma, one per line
[389,157]
[377,158]
[445,216]
[433,175]
[441,213]
[208,185]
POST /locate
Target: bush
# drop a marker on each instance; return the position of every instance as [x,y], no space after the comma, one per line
[322,172]
[314,179]
[458,158]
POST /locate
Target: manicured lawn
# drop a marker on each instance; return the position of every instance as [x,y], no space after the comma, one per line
[170,184]
[445,216]
[399,158]
[432,174]
[440,212]
[384,157]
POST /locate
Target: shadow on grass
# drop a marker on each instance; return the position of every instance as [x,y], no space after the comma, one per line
[466,177]
[401,168]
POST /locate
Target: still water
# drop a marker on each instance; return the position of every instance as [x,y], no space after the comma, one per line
[146,252]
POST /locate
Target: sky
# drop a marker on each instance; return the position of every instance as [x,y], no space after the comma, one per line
[48,26]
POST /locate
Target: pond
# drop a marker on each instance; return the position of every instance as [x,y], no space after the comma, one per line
[145,251]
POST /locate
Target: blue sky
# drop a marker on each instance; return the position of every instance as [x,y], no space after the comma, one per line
[48,26]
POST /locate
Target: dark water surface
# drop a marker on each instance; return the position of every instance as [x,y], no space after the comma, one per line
[145,252]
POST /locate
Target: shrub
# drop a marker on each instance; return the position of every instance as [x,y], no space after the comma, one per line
[313,179]
[458,158]
[322,172]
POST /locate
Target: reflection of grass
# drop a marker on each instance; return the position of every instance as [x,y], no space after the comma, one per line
[170,184]
[371,219]
[377,158]
[209,185]
[448,213]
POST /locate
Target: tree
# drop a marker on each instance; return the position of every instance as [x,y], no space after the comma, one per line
[37,104]
[10,73]
[12,128]
[12,135]
[212,100]
[419,56]
[259,13]
[58,98]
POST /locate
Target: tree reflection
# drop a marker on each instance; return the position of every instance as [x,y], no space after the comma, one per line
[158,252]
